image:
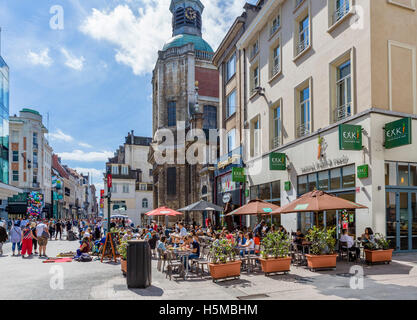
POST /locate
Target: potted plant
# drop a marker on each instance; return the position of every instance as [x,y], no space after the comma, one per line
[322,253]
[122,249]
[223,263]
[378,251]
[275,254]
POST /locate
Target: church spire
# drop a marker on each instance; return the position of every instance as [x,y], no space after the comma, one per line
[186,17]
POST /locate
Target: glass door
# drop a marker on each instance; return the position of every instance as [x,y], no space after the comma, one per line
[402,220]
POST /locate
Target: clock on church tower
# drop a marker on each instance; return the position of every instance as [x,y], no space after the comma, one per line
[186,17]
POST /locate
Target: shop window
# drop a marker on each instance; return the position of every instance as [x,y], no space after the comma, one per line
[403,175]
[312,182]
[324,180]
[349,177]
[302,185]
[391,174]
[276,190]
[265,191]
[254,192]
[413,175]
[335,179]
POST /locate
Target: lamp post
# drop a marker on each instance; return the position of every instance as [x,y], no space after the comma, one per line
[109,185]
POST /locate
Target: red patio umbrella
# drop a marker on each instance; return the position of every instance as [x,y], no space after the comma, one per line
[254,207]
[163,211]
[317,201]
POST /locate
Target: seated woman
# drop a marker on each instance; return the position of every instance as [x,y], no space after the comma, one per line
[84,248]
[368,236]
[249,246]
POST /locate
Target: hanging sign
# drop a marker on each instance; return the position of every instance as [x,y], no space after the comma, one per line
[363,171]
[109,181]
[287,185]
[277,161]
[238,175]
[398,133]
[350,137]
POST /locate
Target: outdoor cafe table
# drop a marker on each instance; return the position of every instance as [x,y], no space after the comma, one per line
[186,254]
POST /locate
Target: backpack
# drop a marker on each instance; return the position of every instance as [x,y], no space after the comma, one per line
[85,257]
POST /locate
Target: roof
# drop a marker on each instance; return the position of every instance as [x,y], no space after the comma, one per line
[57,166]
[31,111]
[182,39]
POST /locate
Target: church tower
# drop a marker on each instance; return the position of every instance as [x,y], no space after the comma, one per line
[185,59]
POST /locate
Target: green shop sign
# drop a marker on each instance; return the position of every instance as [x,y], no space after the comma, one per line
[277,161]
[350,137]
[363,171]
[238,175]
[398,133]
[287,185]
[19,198]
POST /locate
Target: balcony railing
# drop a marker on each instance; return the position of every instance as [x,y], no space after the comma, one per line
[204,55]
[276,142]
[303,40]
[342,112]
[35,185]
[341,11]
[303,129]
[275,69]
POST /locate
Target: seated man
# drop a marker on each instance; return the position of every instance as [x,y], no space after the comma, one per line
[84,248]
[350,244]
[298,239]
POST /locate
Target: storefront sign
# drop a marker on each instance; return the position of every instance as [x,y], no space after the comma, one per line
[238,175]
[287,185]
[326,163]
[226,183]
[277,161]
[350,137]
[227,197]
[398,133]
[363,171]
[19,198]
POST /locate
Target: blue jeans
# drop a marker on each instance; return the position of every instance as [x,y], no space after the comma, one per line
[191,256]
[19,246]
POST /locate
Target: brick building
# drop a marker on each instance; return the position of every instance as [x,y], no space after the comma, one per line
[185,92]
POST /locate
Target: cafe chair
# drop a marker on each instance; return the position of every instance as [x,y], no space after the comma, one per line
[343,251]
[173,265]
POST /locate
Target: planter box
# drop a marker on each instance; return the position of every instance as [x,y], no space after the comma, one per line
[123,264]
[321,262]
[225,270]
[376,256]
[276,265]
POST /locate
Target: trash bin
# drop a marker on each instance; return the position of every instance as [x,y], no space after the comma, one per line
[139,264]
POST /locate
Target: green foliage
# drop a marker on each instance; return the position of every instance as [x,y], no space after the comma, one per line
[222,251]
[122,249]
[276,245]
[322,241]
[380,243]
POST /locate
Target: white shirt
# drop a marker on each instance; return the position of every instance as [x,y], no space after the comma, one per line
[348,240]
[183,232]
[40,228]
[251,245]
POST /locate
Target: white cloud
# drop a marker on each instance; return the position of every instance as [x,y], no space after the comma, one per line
[138,36]
[72,61]
[79,155]
[96,174]
[59,135]
[85,145]
[41,58]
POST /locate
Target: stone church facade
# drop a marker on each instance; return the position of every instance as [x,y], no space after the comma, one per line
[185,96]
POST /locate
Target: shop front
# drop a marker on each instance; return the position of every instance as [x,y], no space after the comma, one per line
[229,185]
[17,206]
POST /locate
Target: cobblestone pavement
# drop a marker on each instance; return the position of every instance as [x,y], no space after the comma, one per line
[32,279]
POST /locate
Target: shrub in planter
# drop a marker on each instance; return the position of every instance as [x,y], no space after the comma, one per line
[275,253]
[379,250]
[223,263]
[122,249]
[322,253]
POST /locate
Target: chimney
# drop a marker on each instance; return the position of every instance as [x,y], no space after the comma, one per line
[133,137]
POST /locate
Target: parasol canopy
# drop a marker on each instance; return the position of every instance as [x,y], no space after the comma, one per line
[163,211]
[119,216]
[317,201]
[254,207]
[202,205]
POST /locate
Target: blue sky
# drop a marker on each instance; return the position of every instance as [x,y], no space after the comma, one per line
[94,76]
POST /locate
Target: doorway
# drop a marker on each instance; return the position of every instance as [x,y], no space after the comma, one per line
[401,215]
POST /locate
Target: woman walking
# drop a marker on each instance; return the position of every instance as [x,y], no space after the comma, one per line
[51,229]
[35,239]
[3,237]
[27,236]
[16,238]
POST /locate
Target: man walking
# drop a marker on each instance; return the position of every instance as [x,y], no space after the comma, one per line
[58,229]
[43,235]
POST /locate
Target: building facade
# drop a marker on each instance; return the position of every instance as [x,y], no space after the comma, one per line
[330,103]
[6,190]
[30,160]
[131,192]
[185,89]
